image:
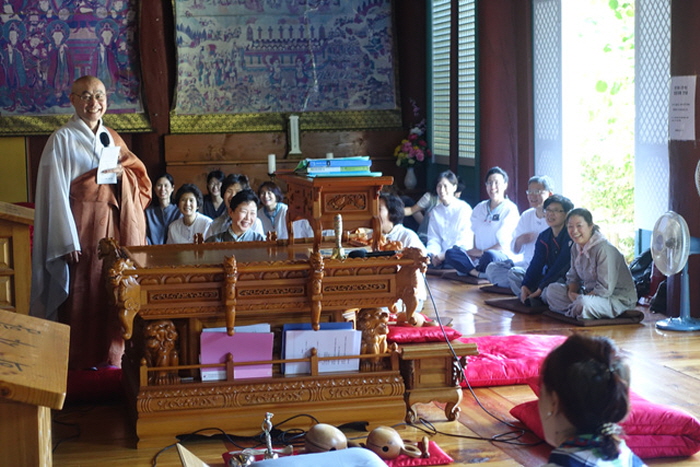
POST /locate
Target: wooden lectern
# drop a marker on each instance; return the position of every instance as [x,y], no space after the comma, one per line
[33,374]
[15,257]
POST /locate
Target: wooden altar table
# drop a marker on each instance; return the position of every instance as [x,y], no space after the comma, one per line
[166,294]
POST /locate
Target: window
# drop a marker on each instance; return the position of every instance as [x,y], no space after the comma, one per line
[453,23]
[596,124]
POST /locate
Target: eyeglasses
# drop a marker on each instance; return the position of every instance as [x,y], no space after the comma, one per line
[553,211]
[535,192]
[87,97]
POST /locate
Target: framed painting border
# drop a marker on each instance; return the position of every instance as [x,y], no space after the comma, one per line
[308,121]
[47,124]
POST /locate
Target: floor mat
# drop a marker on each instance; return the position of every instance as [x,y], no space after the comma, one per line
[514,304]
[627,317]
[453,276]
[496,289]
[439,272]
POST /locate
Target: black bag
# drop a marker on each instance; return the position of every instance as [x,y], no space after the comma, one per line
[641,269]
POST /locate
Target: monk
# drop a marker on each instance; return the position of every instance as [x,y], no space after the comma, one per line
[73,212]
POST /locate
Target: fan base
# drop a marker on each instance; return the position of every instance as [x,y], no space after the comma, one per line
[679,324]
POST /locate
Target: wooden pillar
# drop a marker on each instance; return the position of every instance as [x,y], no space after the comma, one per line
[684,155]
[505,93]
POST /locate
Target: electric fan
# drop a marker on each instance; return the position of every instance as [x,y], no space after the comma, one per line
[671,244]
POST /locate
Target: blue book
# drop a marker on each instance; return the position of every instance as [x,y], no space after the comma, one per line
[359,161]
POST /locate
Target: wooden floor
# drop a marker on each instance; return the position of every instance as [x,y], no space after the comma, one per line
[665,365]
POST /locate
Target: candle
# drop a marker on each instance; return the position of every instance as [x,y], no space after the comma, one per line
[329,155]
[294,135]
[271,163]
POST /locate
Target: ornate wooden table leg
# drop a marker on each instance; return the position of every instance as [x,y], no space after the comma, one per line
[316,288]
[231,276]
[408,277]
[126,294]
[431,374]
[161,350]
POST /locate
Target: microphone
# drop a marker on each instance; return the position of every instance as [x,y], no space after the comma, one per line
[370,254]
[105,139]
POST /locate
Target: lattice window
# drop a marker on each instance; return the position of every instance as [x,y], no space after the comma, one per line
[547,88]
[652,74]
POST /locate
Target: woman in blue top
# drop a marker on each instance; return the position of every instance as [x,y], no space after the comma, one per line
[552,256]
[243,211]
[162,211]
[213,204]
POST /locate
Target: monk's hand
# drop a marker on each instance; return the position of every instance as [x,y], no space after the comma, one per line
[119,170]
[73,257]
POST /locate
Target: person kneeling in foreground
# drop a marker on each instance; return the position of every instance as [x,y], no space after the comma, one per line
[599,283]
[584,393]
[243,210]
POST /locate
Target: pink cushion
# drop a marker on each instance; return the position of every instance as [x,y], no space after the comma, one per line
[412,335]
[437,457]
[505,360]
[651,430]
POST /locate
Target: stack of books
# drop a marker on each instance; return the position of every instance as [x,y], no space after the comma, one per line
[358,166]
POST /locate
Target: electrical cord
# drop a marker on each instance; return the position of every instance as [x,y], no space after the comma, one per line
[292,436]
[506,437]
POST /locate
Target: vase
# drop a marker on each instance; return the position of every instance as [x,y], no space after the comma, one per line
[410,181]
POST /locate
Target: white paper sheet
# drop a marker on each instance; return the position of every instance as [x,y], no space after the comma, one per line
[109,159]
[681,110]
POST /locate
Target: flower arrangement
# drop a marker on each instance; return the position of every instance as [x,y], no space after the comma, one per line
[413,149]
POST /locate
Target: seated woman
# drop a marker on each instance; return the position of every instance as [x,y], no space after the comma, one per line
[391,214]
[213,205]
[192,222]
[532,222]
[584,394]
[450,222]
[493,222]
[231,185]
[420,211]
[552,257]
[599,283]
[243,211]
[273,214]
[162,211]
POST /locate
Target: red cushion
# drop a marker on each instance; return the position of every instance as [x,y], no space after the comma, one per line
[651,430]
[412,335]
[506,360]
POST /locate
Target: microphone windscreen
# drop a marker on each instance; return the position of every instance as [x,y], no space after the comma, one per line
[357,254]
[105,139]
[371,254]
